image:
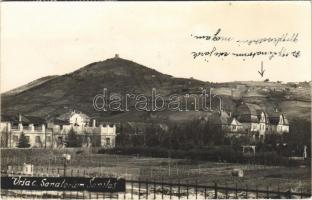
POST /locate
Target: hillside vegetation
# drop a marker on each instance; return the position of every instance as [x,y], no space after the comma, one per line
[52,96]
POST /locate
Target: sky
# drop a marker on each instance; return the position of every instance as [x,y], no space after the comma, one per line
[54,38]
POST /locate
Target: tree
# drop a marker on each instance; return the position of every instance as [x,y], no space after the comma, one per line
[123,139]
[23,142]
[299,136]
[72,139]
[152,138]
[299,132]
[237,142]
[193,134]
[273,139]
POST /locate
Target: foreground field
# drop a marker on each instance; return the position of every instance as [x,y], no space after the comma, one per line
[49,162]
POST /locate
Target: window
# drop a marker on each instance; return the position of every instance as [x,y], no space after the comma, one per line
[107,141]
[60,139]
[48,139]
[37,139]
[27,138]
[234,127]
[261,138]
[15,138]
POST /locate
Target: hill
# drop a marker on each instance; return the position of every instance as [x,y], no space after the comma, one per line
[76,90]
[29,85]
[52,96]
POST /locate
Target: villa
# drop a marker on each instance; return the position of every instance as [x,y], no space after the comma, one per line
[53,133]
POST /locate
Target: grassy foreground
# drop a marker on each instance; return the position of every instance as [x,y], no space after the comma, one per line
[49,162]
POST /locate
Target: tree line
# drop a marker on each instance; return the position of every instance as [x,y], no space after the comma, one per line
[197,134]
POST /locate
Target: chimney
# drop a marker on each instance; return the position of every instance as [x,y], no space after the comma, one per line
[20,124]
[93,123]
[230,114]
[31,127]
[9,127]
[43,128]
[20,127]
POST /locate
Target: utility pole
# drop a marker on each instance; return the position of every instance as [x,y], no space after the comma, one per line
[52,139]
[9,137]
[210,98]
[66,158]
[45,137]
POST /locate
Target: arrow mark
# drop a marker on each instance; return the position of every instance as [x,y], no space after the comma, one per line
[262,70]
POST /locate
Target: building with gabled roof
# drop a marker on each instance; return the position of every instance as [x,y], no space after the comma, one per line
[236,126]
[251,119]
[279,122]
[248,115]
[74,118]
[264,125]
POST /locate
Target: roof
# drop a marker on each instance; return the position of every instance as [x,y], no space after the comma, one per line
[266,116]
[248,113]
[35,120]
[248,119]
[84,116]
[275,118]
[219,118]
[9,118]
[66,116]
[59,122]
[237,123]
[248,108]
[24,119]
[285,119]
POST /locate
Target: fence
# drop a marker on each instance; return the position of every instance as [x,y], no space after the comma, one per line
[205,191]
[147,189]
[163,180]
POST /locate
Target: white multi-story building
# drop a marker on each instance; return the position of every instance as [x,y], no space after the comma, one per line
[55,135]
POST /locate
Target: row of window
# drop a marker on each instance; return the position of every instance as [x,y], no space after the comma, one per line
[254,127]
[37,139]
[48,139]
